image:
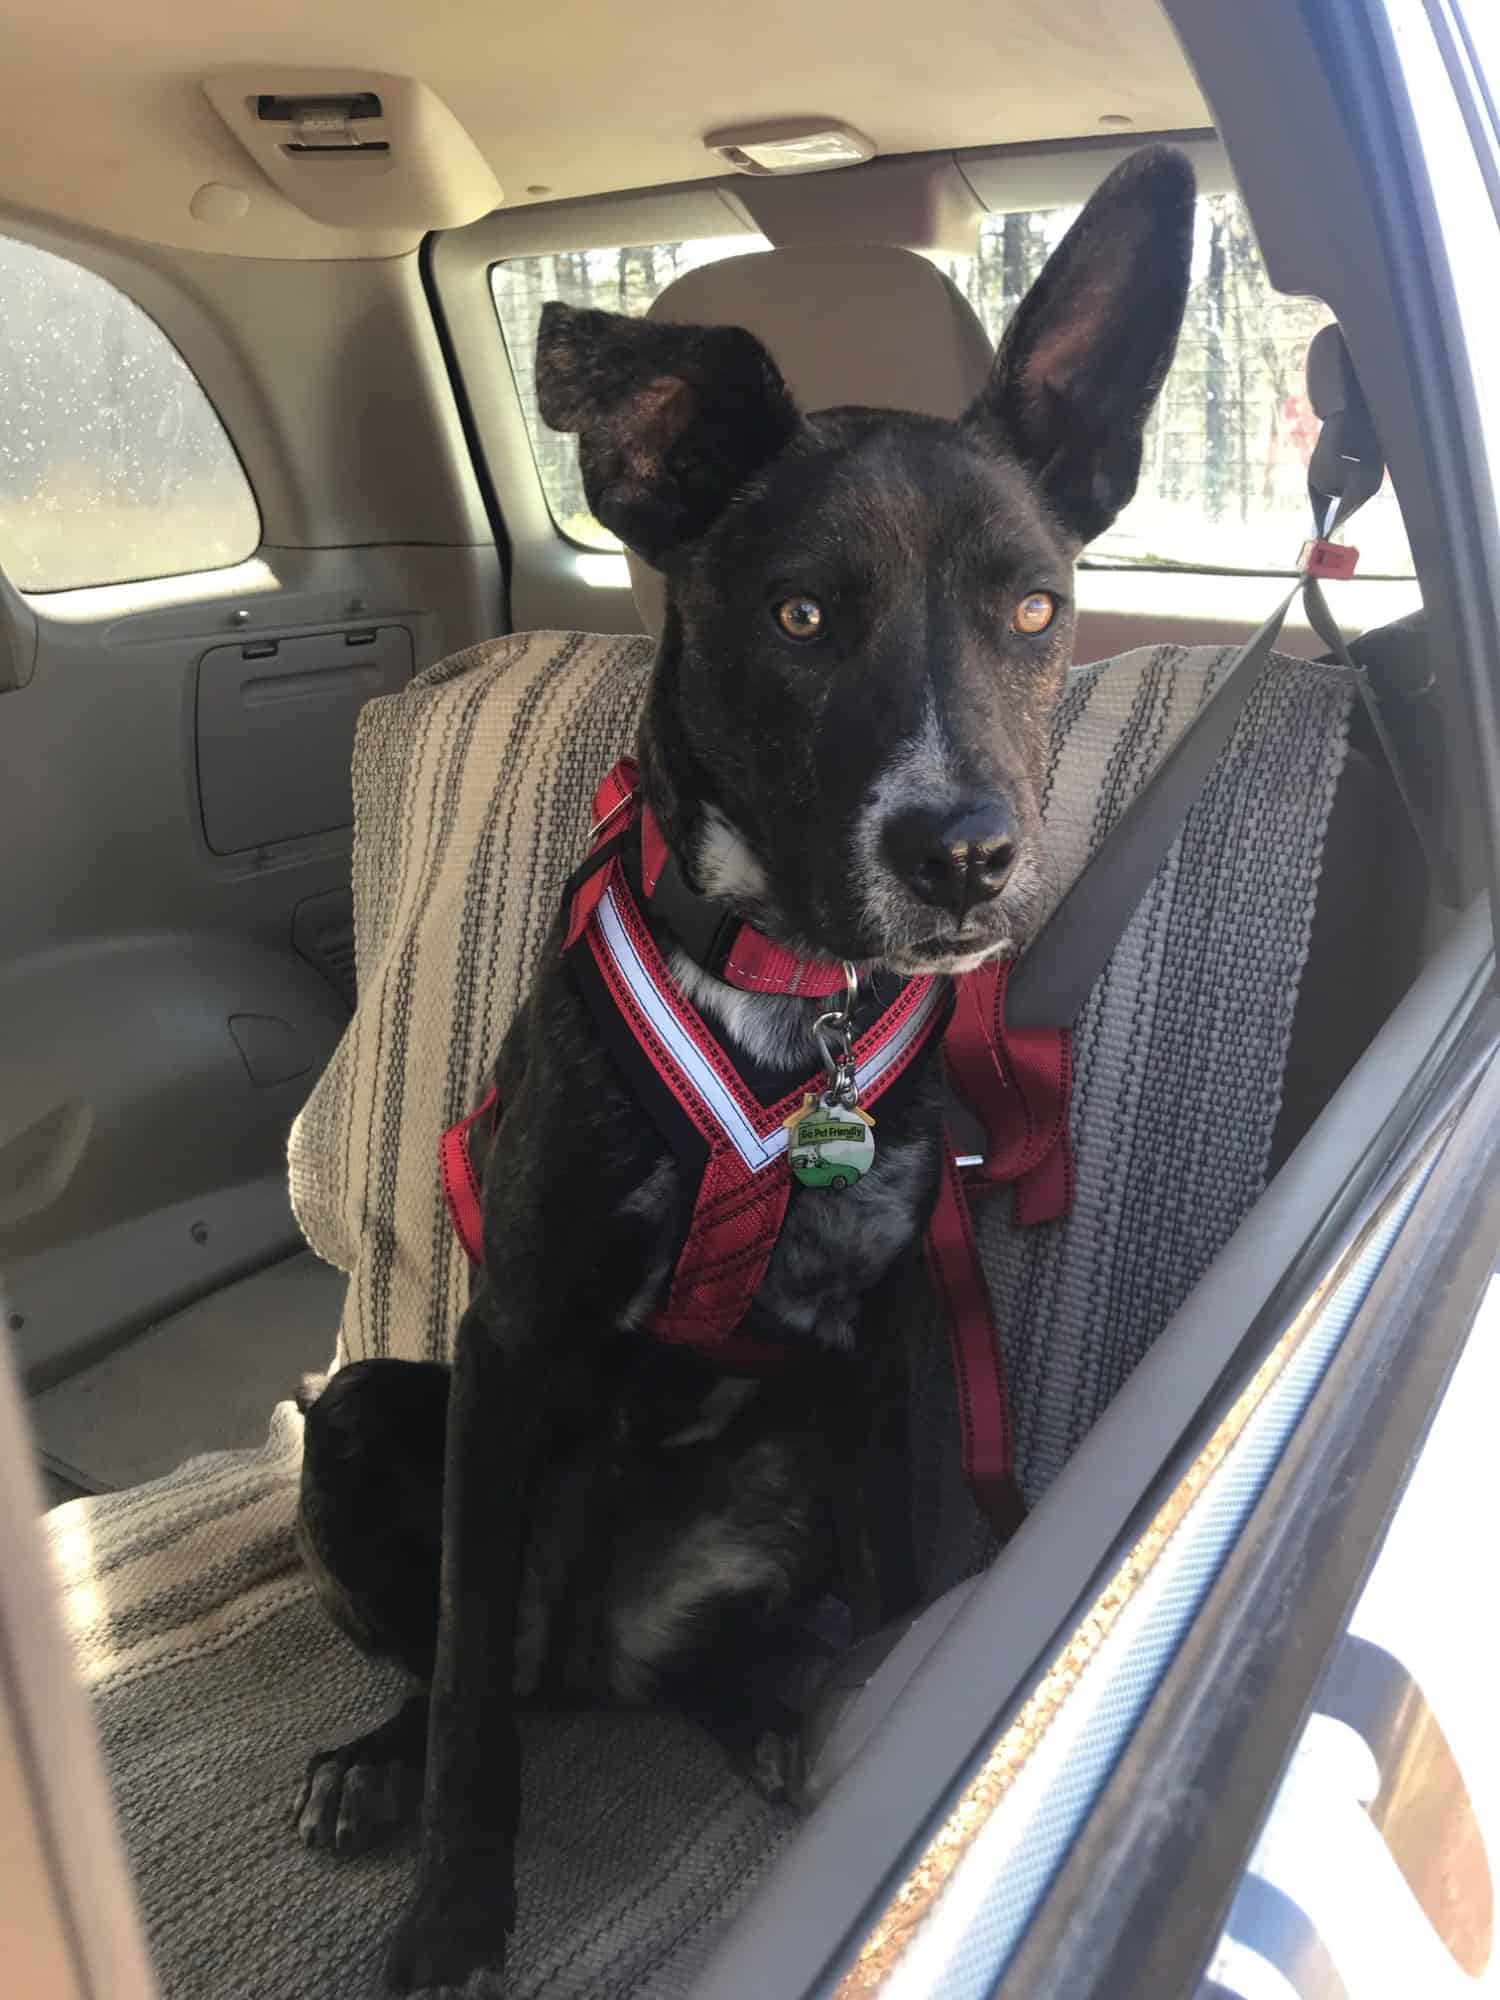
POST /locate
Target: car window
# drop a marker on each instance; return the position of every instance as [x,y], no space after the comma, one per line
[1224,474]
[113,464]
[615,280]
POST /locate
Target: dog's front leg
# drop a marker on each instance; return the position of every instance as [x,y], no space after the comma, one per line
[563,1252]
[873,1493]
[452,1935]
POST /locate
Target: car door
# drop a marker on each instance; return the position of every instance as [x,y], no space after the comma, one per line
[179,682]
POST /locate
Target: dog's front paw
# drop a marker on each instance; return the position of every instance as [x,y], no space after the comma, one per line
[450,1942]
[774,1766]
[351,1802]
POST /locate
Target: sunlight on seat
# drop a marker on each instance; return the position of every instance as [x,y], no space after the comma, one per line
[70,1545]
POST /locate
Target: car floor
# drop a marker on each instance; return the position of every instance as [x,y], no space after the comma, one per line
[204,1379]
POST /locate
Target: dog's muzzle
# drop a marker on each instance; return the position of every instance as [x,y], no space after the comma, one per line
[953,858]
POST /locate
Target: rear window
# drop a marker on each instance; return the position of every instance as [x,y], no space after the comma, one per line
[611,280]
[113,464]
[1224,474]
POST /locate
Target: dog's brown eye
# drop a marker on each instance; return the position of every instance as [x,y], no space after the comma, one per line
[1035,612]
[800,617]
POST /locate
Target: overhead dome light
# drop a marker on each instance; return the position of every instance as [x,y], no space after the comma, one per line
[792,146]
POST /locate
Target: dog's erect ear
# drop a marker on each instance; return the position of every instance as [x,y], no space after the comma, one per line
[671,420]
[1083,358]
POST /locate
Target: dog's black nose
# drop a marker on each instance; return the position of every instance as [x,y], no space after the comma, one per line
[954,859]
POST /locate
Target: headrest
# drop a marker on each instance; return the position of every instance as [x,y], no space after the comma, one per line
[857,323]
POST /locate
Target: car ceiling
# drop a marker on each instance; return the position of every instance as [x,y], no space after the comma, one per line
[107,124]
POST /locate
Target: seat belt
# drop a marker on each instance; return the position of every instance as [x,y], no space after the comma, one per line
[1053,978]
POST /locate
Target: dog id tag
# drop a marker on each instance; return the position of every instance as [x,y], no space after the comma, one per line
[829,1145]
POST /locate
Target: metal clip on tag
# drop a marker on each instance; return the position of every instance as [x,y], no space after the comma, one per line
[834,1034]
[830,1141]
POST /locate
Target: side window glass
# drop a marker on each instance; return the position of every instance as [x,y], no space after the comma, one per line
[1224,474]
[113,463]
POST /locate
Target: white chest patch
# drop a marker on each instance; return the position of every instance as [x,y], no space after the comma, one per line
[766,1027]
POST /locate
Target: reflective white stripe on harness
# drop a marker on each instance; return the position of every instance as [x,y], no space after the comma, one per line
[755,1150]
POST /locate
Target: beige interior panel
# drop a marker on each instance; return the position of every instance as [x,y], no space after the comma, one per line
[107,122]
[1017,177]
[415,167]
[33,1930]
[921,203]
[611,221]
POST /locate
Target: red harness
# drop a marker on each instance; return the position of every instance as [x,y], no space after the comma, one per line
[1015,1081]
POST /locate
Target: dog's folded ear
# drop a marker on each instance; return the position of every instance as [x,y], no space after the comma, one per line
[671,420]
[1083,358]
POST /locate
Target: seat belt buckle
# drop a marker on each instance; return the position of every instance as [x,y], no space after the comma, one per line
[1322,558]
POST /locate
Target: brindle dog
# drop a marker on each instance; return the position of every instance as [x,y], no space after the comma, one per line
[869,621]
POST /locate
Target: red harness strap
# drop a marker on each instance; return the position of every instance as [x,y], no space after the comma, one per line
[1016,1081]
[461,1189]
[986,1439]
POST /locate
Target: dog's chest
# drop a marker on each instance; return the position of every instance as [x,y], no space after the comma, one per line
[834,1243]
[833,1246]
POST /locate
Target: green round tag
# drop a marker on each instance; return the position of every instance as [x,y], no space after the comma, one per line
[829,1145]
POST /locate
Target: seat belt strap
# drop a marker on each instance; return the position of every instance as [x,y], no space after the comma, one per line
[1054,976]
[1323,622]
[1346,469]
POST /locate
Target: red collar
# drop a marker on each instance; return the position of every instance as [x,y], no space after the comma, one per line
[708,931]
